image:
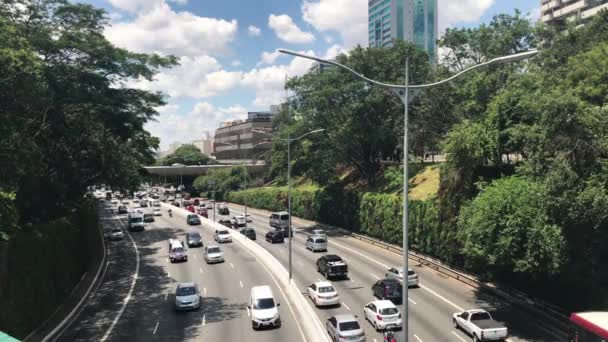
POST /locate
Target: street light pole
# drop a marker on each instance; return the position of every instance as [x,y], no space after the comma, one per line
[405,93]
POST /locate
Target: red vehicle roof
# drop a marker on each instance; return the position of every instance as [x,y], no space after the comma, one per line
[595,322]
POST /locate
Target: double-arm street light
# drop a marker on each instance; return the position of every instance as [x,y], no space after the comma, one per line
[289,140]
[406,92]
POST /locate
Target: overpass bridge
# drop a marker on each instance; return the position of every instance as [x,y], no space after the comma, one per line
[198,170]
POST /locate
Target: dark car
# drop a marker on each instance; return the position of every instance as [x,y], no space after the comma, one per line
[332,266]
[123,209]
[225,222]
[275,236]
[193,220]
[390,289]
[248,232]
[194,239]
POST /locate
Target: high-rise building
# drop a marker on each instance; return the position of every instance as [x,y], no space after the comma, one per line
[236,141]
[205,144]
[411,20]
[576,11]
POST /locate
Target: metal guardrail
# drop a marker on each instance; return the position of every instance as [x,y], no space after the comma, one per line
[555,316]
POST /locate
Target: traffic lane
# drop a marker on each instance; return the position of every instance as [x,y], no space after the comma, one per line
[354,292]
[101,308]
[457,295]
[246,271]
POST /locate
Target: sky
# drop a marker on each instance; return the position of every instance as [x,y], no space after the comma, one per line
[227,49]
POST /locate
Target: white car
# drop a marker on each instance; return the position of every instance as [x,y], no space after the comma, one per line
[319,233]
[397,273]
[383,315]
[239,221]
[248,218]
[480,324]
[222,236]
[157,212]
[323,293]
[187,297]
[116,234]
[213,254]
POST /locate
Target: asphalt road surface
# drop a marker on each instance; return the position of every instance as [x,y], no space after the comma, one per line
[134,301]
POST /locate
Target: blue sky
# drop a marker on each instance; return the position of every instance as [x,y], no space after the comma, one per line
[227,49]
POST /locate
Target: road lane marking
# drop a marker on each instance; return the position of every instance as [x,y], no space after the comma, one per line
[166,295]
[346,306]
[200,269]
[248,314]
[167,260]
[240,282]
[418,338]
[411,300]
[169,275]
[204,290]
[387,267]
[460,338]
[231,265]
[204,316]
[375,276]
[375,340]
[156,327]
[133,282]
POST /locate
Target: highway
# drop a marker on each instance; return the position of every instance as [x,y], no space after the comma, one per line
[134,301]
[431,305]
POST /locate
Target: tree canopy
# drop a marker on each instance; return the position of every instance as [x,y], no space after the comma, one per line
[187,154]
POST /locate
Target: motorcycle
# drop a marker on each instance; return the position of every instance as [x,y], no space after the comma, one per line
[170,213]
[389,336]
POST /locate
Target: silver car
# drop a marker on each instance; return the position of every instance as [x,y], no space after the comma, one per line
[397,273]
[345,328]
[187,297]
[213,254]
[315,243]
[222,236]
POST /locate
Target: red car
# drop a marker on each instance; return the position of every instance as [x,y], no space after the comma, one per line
[196,202]
[202,211]
[190,208]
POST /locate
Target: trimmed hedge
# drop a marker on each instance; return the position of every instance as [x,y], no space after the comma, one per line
[376,215]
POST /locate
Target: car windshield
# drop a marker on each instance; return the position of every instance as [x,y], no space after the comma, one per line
[284,217]
[213,250]
[185,291]
[389,311]
[410,272]
[177,250]
[116,230]
[347,326]
[263,303]
[195,236]
[136,220]
[333,258]
[480,316]
[319,241]
[223,232]
[326,289]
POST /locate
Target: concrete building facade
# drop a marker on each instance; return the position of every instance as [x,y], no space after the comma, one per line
[235,142]
[564,11]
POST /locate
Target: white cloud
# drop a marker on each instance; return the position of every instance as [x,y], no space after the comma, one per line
[254,31]
[236,63]
[270,57]
[347,17]
[175,124]
[196,77]
[288,31]
[157,28]
[181,2]
[464,11]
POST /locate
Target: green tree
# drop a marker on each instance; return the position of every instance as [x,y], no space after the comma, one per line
[187,154]
[507,229]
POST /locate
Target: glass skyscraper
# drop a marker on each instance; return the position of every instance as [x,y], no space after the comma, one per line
[411,20]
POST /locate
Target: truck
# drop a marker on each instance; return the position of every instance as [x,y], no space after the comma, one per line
[480,325]
[331,265]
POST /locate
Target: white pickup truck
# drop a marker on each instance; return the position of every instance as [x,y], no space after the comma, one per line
[479,324]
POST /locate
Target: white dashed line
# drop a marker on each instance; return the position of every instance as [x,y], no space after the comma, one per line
[204,316]
[166,295]
[169,275]
[460,338]
[240,282]
[156,327]
[204,290]
[411,300]
[375,276]
[441,297]
[346,306]
[200,269]
[418,338]
[248,314]
[231,265]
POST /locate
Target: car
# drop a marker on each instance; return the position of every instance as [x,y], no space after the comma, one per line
[248,218]
[275,236]
[213,254]
[202,211]
[315,243]
[187,297]
[263,308]
[148,216]
[196,202]
[238,221]
[480,324]
[279,220]
[190,208]
[186,203]
[136,200]
[323,293]
[319,233]
[382,315]
[344,327]
[157,212]
[222,236]
[116,234]
[177,252]
[194,239]
[222,209]
[331,265]
[390,289]
[249,232]
[122,209]
[397,273]
[135,222]
[225,222]
[176,204]
[193,220]
[209,205]
[143,204]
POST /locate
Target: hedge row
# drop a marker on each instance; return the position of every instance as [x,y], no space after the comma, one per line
[376,215]
[41,265]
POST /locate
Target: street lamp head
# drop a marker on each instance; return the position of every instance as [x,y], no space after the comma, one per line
[297,54]
[515,57]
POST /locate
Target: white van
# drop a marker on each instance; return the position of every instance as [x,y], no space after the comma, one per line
[264,309]
[136,222]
